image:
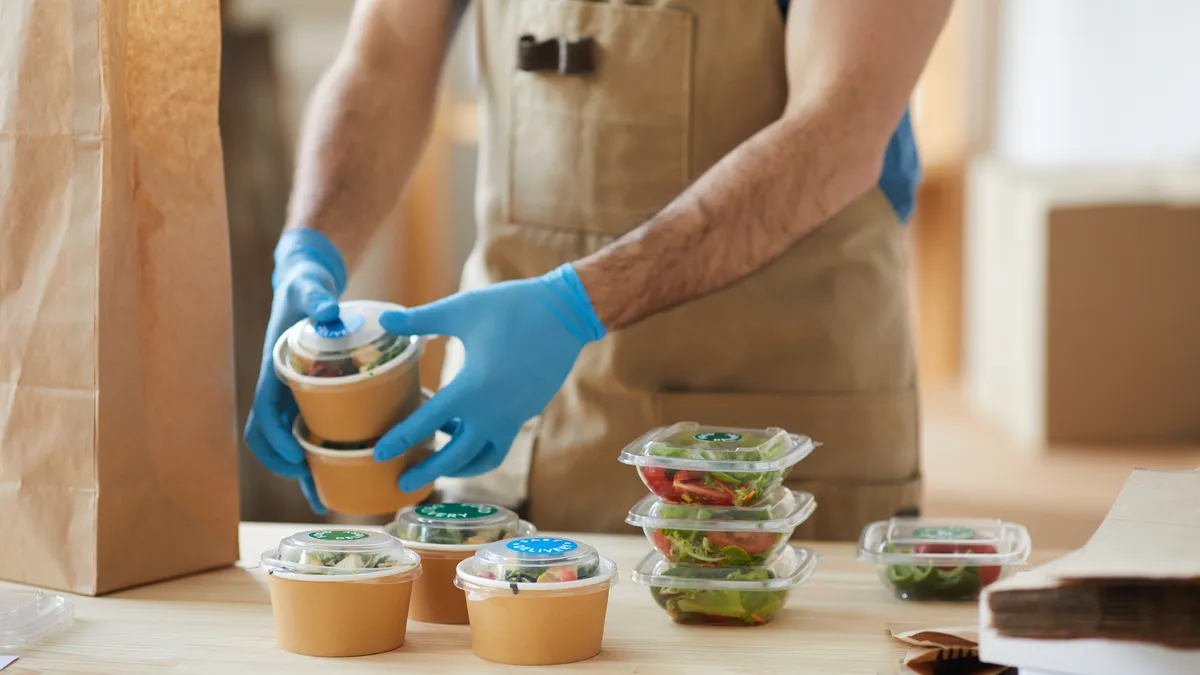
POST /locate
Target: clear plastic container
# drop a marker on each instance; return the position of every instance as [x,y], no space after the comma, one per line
[352,379]
[729,535]
[445,535]
[340,592]
[340,552]
[29,617]
[536,560]
[690,463]
[943,558]
[456,524]
[536,601]
[724,596]
[353,344]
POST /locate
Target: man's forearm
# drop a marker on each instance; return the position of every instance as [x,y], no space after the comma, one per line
[852,65]
[745,212]
[368,121]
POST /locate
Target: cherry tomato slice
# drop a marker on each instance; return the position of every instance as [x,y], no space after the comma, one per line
[752,543]
[659,482]
[692,489]
[661,543]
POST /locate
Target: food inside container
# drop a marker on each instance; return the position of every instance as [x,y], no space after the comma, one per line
[942,558]
[690,463]
[536,600]
[352,379]
[340,592]
[445,535]
[729,535]
[724,596]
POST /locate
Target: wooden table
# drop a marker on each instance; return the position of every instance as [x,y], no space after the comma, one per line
[220,622]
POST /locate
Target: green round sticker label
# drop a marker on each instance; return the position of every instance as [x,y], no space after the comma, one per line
[338,535]
[456,511]
[943,533]
[718,437]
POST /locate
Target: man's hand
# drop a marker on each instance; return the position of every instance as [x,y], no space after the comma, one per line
[852,66]
[309,276]
[521,340]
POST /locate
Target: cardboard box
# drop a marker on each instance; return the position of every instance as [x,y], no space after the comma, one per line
[1081,321]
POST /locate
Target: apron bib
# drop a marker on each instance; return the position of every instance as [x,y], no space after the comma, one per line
[818,342]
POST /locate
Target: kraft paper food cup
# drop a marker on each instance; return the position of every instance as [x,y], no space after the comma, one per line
[352,482]
[352,379]
[536,601]
[340,592]
[445,535]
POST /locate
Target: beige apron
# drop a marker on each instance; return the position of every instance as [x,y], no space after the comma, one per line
[817,342]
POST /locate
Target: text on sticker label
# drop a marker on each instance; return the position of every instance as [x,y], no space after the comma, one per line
[542,546]
[338,535]
[943,533]
[718,437]
[345,325]
[455,511]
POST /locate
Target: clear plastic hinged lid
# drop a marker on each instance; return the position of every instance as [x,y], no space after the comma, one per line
[28,617]
[698,447]
[457,524]
[353,344]
[781,511]
[944,542]
[536,560]
[340,552]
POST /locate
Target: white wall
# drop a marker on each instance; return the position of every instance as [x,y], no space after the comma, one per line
[1098,83]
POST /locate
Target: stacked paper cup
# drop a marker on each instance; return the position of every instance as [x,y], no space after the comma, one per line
[353,381]
[720,519]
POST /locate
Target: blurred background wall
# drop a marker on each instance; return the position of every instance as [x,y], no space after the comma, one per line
[1053,278]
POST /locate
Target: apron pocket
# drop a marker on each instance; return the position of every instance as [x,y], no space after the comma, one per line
[867,436]
[601,151]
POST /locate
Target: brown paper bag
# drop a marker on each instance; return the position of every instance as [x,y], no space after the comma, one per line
[117,438]
[953,649]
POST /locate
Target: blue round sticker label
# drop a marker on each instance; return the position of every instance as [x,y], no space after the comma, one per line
[345,325]
[542,546]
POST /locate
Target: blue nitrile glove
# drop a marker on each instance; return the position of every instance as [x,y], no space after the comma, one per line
[309,277]
[521,340]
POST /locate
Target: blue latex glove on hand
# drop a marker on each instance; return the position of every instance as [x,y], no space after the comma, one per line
[521,340]
[309,277]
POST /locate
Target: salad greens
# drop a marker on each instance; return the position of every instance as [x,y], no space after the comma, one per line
[720,606]
[337,560]
[926,582]
[361,360]
[714,546]
[432,534]
[529,575]
[715,488]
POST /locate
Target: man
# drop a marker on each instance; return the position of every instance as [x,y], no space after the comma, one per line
[688,210]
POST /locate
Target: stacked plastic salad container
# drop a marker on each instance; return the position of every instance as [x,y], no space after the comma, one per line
[720,519]
[353,381]
[943,559]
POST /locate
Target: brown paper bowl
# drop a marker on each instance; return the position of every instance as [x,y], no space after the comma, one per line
[435,597]
[538,627]
[353,483]
[358,407]
[322,616]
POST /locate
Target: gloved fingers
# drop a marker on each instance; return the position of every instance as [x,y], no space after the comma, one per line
[436,318]
[318,301]
[430,417]
[309,489]
[487,460]
[451,428]
[458,452]
[272,403]
[262,450]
